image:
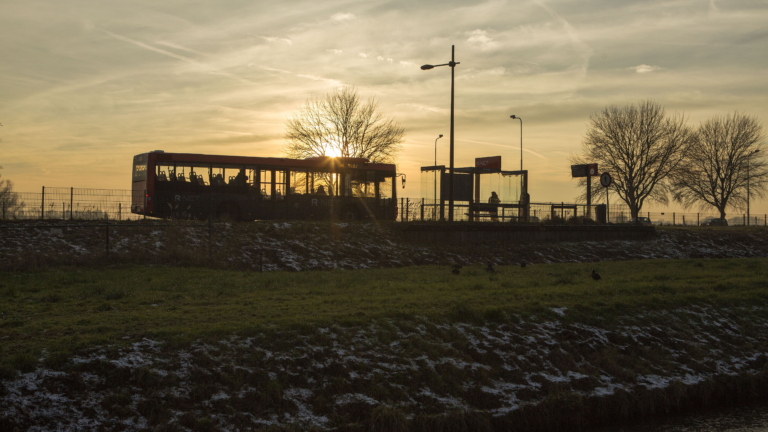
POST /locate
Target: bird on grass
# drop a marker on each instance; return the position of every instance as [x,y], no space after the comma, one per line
[595,276]
[489,269]
[456,268]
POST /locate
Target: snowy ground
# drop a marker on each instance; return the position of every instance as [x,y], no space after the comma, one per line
[326,377]
[298,246]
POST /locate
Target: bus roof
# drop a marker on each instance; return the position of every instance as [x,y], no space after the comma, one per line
[321,162]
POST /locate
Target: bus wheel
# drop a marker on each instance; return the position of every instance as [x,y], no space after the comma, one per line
[228,210]
[349,214]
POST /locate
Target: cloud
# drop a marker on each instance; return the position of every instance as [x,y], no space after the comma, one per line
[335,51]
[208,67]
[643,68]
[481,38]
[276,39]
[363,55]
[379,58]
[405,63]
[341,16]
[389,60]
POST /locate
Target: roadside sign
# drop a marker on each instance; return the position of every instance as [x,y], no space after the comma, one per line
[585,170]
[490,163]
[605,179]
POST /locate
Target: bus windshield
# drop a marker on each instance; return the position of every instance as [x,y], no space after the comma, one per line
[140,167]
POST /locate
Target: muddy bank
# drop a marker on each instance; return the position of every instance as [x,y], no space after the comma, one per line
[297,246]
[556,370]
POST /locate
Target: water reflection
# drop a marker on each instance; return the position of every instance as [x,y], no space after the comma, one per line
[749,418]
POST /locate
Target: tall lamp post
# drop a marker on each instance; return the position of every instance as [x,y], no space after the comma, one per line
[452,64]
[435,195]
[749,162]
[521,139]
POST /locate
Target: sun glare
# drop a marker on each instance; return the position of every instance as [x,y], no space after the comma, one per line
[333,152]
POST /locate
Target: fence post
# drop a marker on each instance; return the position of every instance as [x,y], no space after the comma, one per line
[697,220]
[401,208]
[683,220]
[71,200]
[673,218]
[119,211]
[407,207]
[744,219]
[42,205]
[422,209]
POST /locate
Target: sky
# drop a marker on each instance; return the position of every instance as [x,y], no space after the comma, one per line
[85,85]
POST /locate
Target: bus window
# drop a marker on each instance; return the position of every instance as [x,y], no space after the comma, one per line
[140,167]
[164,171]
[198,174]
[299,182]
[385,187]
[362,184]
[281,184]
[218,176]
[266,184]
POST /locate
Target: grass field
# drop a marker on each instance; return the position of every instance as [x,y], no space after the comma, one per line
[69,308]
[537,348]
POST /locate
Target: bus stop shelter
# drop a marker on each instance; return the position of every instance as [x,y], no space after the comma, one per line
[481,193]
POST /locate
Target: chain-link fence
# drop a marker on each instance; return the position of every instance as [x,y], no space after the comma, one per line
[71,203]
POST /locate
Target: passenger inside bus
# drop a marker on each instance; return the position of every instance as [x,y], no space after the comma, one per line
[162,176]
[321,191]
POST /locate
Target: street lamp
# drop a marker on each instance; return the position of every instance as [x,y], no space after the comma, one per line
[452,64]
[749,160]
[435,195]
[521,139]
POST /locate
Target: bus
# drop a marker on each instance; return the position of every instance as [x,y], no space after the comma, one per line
[196,186]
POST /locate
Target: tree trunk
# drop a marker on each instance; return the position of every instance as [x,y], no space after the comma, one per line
[635,211]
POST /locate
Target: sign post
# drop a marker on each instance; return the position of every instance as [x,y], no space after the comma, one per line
[586,170]
[605,181]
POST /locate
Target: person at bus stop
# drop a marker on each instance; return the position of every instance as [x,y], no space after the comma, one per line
[494,199]
[321,190]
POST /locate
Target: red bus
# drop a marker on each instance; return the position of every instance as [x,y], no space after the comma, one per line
[195,186]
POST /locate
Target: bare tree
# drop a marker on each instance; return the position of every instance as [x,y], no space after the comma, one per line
[639,146]
[716,174]
[9,200]
[341,124]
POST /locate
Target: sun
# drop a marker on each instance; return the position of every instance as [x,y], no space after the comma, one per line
[333,152]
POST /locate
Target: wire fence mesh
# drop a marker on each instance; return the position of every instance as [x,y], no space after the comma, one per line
[411,210]
[71,203]
[115,204]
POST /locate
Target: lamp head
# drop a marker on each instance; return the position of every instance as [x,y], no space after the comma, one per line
[427,67]
[512,116]
[441,135]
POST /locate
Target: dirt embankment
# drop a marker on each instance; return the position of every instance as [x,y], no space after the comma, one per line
[553,371]
[297,246]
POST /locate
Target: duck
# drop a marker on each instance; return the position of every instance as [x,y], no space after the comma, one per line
[595,275]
